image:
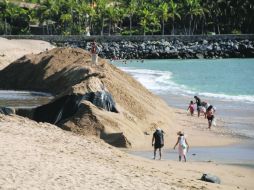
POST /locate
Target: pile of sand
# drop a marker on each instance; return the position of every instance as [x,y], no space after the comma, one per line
[67,70]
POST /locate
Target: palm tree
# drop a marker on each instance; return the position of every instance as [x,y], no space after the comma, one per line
[12,13]
[194,9]
[174,8]
[101,12]
[163,11]
[145,13]
[3,13]
[131,10]
[154,23]
[47,12]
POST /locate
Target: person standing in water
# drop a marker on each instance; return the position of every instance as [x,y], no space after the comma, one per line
[183,146]
[158,141]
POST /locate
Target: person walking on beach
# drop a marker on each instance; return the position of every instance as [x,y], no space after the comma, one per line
[183,146]
[211,108]
[191,108]
[198,102]
[210,116]
[158,141]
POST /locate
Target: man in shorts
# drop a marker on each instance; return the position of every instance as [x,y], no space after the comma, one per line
[158,141]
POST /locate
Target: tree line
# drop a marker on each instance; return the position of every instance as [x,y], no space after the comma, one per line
[127,17]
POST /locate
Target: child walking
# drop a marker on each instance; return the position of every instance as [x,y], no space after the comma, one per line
[183,146]
[191,108]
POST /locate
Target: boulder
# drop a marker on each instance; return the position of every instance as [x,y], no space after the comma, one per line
[210,178]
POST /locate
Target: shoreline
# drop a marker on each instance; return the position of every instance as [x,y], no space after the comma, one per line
[76,159]
[231,155]
[222,139]
[228,121]
[87,162]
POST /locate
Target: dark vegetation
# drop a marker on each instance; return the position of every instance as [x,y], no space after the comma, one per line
[127,17]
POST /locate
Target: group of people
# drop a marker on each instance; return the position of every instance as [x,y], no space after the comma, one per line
[183,146]
[205,108]
[158,143]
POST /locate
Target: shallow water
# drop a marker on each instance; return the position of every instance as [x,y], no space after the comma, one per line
[225,83]
[229,79]
[238,117]
[242,155]
[23,99]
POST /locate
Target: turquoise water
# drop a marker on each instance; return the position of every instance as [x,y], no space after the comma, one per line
[228,84]
[230,79]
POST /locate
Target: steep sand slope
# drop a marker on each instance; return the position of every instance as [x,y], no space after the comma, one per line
[68,70]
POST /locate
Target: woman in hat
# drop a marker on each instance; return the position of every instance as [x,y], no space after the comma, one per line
[183,145]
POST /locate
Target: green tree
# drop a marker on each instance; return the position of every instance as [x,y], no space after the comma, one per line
[131,10]
[144,20]
[163,12]
[101,9]
[174,13]
[3,14]
[194,10]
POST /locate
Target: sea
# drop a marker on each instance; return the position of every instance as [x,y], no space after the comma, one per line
[227,84]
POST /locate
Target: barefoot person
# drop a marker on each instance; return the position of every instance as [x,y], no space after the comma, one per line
[191,108]
[210,116]
[158,141]
[198,102]
[183,146]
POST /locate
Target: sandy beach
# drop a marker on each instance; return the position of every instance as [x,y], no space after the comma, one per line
[43,156]
[10,50]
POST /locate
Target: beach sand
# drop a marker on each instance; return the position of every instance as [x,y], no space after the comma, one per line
[43,156]
[10,50]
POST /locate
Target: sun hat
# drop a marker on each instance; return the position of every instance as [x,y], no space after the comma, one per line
[180,133]
[158,129]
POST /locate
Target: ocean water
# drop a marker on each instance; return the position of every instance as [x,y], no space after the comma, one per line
[228,84]
[241,155]
[23,99]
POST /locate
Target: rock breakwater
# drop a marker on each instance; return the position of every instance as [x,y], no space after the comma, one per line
[175,49]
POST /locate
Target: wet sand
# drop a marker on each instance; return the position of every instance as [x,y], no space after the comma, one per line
[42,156]
[236,117]
[241,155]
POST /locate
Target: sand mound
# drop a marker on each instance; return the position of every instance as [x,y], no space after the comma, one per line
[64,71]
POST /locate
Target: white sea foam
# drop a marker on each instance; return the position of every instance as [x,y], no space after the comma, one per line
[161,82]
